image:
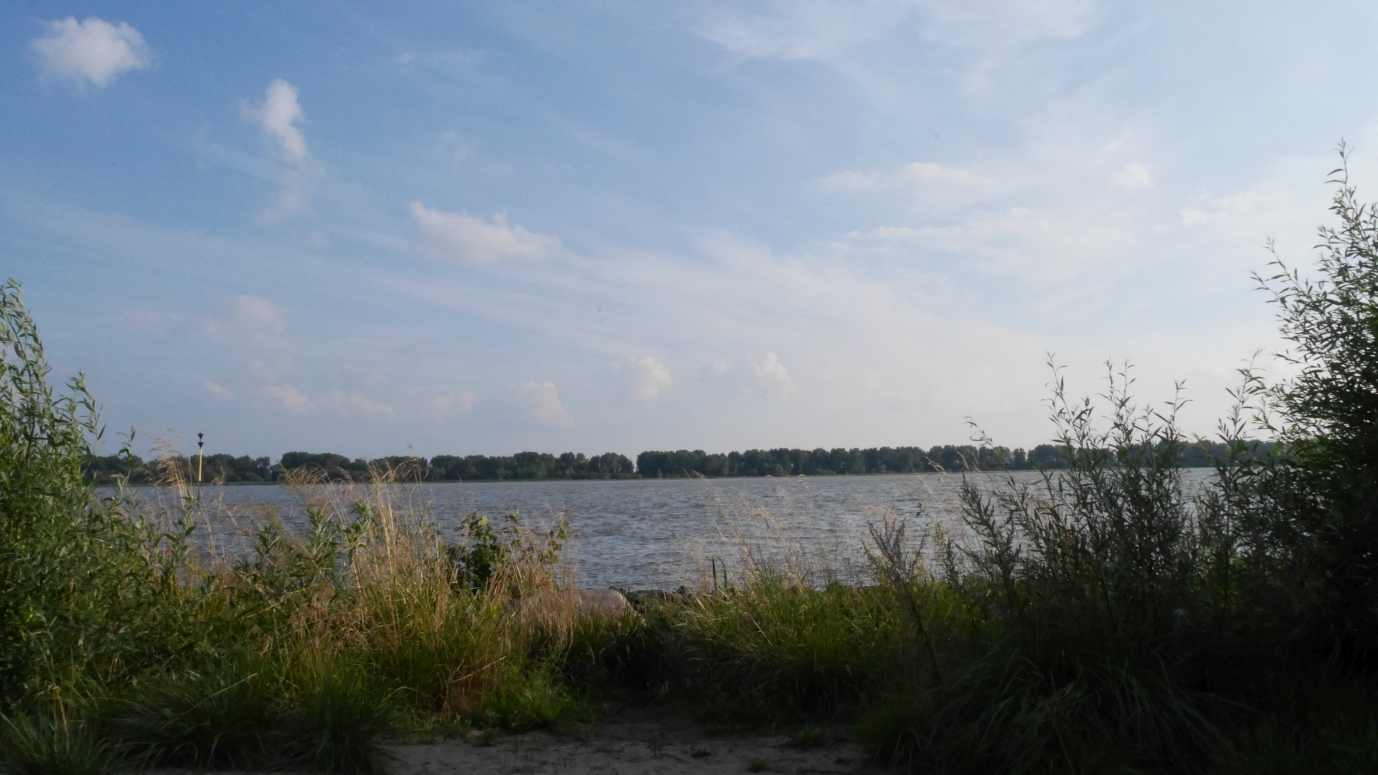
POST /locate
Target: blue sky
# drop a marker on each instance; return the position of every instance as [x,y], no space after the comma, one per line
[592,226]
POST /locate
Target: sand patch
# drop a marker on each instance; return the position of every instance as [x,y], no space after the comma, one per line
[634,741]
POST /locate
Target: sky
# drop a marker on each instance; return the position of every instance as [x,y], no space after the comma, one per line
[487,227]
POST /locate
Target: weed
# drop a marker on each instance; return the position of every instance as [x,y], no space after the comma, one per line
[526,700]
[341,715]
[436,728]
[808,737]
[231,719]
[49,745]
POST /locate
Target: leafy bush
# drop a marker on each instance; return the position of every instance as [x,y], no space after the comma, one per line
[1326,489]
[84,589]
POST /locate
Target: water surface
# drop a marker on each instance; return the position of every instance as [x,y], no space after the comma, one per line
[654,533]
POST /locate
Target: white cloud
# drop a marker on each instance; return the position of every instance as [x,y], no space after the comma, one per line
[270,372]
[362,377]
[1249,217]
[464,237]
[218,391]
[91,51]
[543,401]
[802,29]
[913,174]
[278,115]
[827,29]
[1192,216]
[357,404]
[461,402]
[999,25]
[289,398]
[294,198]
[249,315]
[1042,246]
[257,314]
[650,378]
[772,377]
[1134,176]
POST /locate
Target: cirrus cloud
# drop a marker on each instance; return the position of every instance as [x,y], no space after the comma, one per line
[912,174]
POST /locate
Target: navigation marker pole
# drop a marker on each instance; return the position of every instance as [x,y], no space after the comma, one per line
[201,456]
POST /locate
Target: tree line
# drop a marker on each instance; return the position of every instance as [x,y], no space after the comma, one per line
[541,466]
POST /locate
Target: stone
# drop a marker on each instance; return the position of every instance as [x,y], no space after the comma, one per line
[590,602]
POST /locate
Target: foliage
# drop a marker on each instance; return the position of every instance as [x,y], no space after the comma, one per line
[81,583]
[47,744]
[1326,490]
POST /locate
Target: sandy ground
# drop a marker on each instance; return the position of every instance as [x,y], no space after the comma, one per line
[632,741]
[629,741]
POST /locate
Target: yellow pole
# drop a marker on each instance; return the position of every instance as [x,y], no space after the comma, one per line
[201,457]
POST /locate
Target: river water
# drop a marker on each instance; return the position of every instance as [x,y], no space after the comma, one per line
[649,533]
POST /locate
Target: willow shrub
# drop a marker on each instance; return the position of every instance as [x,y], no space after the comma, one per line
[1324,495]
[84,590]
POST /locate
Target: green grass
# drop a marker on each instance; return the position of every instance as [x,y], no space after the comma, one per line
[226,716]
[44,744]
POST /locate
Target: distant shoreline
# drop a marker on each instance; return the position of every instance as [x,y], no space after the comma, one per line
[151,485]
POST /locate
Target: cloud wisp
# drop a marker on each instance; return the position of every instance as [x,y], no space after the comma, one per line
[917,173]
[89,52]
[463,237]
[278,116]
[1134,176]
[218,392]
[250,315]
[802,29]
[357,404]
[289,398]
